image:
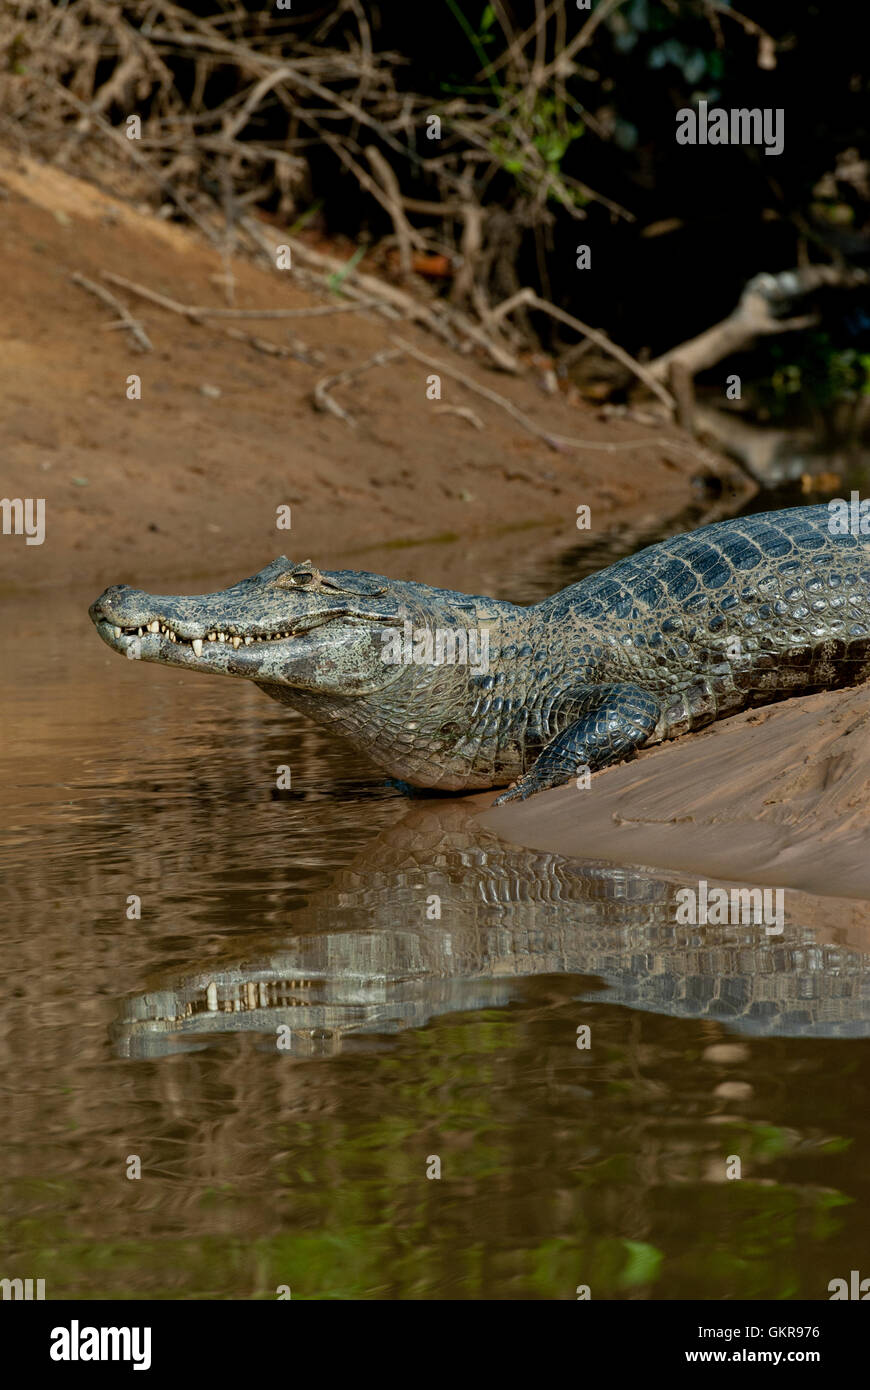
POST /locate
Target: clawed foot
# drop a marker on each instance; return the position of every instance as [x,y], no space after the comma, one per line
[537,780]
[520,790]
[512,794]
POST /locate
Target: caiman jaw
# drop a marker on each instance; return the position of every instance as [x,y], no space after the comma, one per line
[109,630]
[190,643]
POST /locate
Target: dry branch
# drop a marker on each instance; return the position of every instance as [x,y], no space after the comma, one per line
[310,356]
[464,412]
[558,442]
[534,301]
[126,319]
[202,311]
[324,401]
[754,317]
[392,302]
[391,197]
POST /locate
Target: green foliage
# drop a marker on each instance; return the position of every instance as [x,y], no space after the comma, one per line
[550,135]
[552,132]
[638,26]
[813,373]
[642,1266]
[478,39]
[540,126]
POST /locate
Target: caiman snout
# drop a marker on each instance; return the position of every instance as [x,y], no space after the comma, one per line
[111,603]
[123,612]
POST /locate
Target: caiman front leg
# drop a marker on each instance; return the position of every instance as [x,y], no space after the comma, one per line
[620,721]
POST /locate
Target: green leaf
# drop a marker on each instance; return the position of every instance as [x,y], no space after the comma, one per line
[642,1266]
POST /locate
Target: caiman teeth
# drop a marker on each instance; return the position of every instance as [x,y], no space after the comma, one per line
[162,629]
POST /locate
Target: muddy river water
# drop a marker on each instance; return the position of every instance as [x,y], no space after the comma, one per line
[326,1038]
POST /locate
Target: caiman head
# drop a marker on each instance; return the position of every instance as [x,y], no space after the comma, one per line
[343,648]
[290,625]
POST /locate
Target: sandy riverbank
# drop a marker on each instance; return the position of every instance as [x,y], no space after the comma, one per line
[778,796]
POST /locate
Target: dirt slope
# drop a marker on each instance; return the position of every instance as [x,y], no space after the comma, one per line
[187,480]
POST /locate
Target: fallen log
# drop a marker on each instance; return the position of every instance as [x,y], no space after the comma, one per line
[759,312]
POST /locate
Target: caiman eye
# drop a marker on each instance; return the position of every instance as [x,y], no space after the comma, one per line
[299,578]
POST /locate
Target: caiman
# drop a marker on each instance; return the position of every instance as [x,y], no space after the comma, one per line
[460,692]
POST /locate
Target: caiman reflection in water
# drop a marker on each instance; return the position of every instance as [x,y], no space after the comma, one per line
[437,915]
